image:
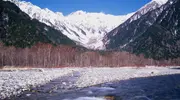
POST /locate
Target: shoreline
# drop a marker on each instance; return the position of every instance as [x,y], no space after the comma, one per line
[19,80]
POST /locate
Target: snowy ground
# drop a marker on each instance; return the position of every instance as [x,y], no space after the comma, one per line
[58,81]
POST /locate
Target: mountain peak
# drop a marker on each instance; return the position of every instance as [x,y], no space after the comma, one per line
[59,13]
[160,2]
[46,9]
[79,12]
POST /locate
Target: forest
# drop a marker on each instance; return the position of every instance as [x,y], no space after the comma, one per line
[51,56]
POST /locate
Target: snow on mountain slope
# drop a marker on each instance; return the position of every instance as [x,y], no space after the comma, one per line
[95,25]
[152,5]
[161,2]
[146,8]
[87,29]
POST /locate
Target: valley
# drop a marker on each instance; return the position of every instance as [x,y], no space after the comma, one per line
[48,55]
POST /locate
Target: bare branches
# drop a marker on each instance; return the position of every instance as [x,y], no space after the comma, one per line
[46,55]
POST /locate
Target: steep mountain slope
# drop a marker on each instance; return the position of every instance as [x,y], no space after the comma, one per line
[118,37]
[160,39]
[18,29]
[87,29]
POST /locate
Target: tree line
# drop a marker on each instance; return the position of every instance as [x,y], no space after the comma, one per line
[47,55]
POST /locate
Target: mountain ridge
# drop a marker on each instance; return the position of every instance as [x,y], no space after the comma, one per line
[19,30]
[142,11]
[155,34]
[87,29]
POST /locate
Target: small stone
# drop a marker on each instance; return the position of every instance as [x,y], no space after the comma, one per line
[64,83]
[50,91]
[28,95]
[90,92]
[33,91]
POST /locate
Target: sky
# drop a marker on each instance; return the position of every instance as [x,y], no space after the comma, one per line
[115,7]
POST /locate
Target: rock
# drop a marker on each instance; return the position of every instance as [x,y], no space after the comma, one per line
[89,92]
[28,95]
[64,83]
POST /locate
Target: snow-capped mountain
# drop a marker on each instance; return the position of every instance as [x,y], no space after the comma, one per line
[146,8]
[160,2]
[87,29]
[19,30]
[155,35]
[154,4]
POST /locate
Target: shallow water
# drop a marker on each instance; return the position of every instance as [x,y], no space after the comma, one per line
[165,87]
